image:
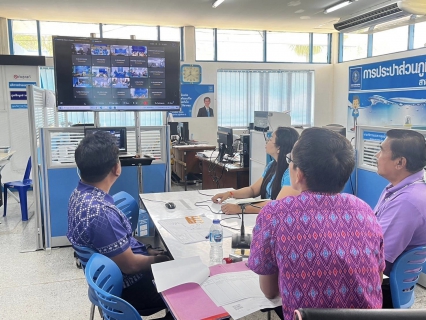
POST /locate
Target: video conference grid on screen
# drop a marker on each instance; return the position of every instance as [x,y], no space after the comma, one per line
[116,74]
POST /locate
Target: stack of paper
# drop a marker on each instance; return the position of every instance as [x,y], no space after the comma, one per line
[243,201]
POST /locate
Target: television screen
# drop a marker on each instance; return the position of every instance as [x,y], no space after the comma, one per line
[115,74]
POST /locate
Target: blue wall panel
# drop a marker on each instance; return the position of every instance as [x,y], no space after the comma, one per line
[370,186]
[62,182]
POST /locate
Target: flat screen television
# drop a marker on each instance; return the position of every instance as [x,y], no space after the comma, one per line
[95,74]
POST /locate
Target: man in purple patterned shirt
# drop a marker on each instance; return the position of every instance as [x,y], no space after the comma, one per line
[95,222]
[321,249]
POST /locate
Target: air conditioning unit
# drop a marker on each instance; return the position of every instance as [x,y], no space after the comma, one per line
[392,12]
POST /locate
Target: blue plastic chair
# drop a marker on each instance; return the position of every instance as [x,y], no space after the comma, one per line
[83,254]
[404,276]
[22,187]
[115,308]
[102,273]
[128,205]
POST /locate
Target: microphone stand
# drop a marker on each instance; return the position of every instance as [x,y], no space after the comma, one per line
[241,241]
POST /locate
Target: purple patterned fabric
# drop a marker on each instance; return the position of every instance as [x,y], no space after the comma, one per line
[326,249]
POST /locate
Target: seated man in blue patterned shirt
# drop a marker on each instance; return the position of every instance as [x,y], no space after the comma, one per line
[94,221]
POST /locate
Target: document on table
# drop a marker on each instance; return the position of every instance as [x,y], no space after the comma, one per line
[173,273]
[190,229]
[245,307]
[230,287]
[244,201]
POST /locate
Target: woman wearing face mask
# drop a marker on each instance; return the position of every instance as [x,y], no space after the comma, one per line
[275,180]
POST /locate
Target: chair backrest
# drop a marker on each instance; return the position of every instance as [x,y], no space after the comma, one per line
[115,308]
[83,254]
[357,314]
[27,170]
[404,276]
[102,273]
[129,206]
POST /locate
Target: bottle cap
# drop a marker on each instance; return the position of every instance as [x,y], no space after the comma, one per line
[216,221]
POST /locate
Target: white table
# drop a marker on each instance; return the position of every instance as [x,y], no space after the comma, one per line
[158,211]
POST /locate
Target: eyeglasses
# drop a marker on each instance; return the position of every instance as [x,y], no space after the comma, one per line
[288,158]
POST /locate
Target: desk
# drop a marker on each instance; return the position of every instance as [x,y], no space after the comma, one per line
[231,175]
[158,211]
[185,160]
[177,250]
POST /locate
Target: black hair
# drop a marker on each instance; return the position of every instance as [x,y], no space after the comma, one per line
[285,138]
[410,145]
[206,98]
[96,155]
[325,157]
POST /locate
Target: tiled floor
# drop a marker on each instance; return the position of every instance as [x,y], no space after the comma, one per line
[42,285]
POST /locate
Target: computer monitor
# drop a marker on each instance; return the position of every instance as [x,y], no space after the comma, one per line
[337,128]
[120,133]
[182,129]
[225,139]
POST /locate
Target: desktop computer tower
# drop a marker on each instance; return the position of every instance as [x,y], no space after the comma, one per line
[245,153]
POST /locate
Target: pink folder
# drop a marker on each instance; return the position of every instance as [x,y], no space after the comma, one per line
[189,301]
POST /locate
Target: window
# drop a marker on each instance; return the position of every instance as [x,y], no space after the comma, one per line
[204,44]
[115,31]
[241,92]
[420,35]
[355,46]
[49,29]
[320,45]
[287,47]
[390,41]
[239,45]
[24,36]
[170,34]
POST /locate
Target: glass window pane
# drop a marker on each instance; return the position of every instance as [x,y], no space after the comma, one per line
[24,35]
[239,45]
[420,35]
[384,42]
[169,34]
[355,46]
[49,29]
[204,44]
[320,47]
[115,31]
[287,47]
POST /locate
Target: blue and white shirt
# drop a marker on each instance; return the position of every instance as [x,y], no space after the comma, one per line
[95,222]
[285,180]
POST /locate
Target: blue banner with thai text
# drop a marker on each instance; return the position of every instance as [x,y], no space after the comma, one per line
[374,136]
[391,74]
[20,85]
[18,95]
[193,98]
[19,106]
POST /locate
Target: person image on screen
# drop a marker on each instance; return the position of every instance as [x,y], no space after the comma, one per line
[275,181]
[206,111]
[401,209]
[95,222]
[322,248]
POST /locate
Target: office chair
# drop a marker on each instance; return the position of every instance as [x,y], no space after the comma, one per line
[116,308]
[22,187]
[357,314]
[82,255]
[404,276]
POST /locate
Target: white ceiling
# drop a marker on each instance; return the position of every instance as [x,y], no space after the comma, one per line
[274,15]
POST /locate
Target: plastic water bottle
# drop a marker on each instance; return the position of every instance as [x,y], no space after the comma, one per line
[216,241]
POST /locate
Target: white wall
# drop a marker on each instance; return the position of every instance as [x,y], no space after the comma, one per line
[341,81]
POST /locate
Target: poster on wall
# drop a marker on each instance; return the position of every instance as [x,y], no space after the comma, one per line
[388,93]
[196,101]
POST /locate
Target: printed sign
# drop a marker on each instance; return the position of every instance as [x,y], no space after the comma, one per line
[388,93]
[192,100]
[19,106]
[18,95]
[374,136]
[20,85]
